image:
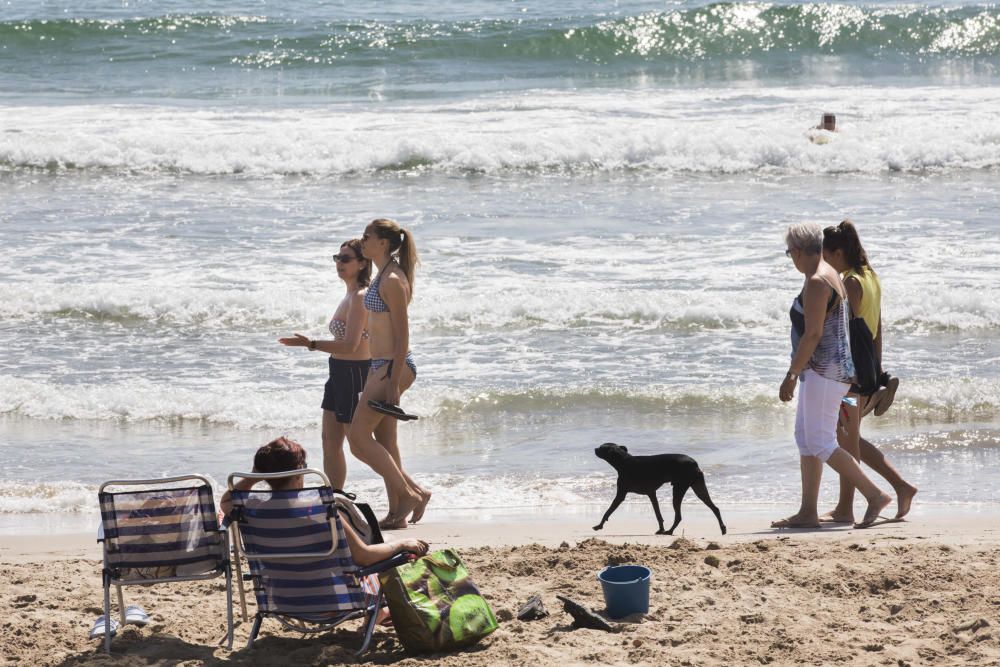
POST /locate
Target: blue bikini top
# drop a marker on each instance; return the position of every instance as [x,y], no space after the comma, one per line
[373,301]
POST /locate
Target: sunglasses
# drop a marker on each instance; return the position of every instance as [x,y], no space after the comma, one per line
[343,259]
[788,252]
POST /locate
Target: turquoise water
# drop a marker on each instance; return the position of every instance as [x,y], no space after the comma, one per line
[598,193]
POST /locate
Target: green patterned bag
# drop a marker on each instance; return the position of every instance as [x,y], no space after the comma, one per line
[434,604]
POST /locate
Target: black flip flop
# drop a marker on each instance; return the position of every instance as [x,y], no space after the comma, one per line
[391,410]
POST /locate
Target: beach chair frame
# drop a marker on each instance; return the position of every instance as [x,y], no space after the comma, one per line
[309,623]
[110,575]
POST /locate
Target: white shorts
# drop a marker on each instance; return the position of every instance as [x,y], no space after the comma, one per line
[817,413]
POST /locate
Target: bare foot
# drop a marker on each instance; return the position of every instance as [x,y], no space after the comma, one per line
[392,522]
[418,512]
[904,498]
[797,521]
[383,618]
[874,509]
[405,506]
[836,517]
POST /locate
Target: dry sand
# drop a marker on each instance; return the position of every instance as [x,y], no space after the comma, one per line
[922,592]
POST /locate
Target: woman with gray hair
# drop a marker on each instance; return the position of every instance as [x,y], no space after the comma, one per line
[821,364]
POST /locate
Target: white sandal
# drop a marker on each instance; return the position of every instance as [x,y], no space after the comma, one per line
[97,631]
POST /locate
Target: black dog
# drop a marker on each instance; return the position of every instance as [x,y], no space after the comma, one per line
[646,474]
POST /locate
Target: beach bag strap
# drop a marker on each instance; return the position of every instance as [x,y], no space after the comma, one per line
[435,605]
[361,518]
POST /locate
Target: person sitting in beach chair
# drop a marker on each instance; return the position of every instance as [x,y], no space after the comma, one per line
[310,569]
[159,533]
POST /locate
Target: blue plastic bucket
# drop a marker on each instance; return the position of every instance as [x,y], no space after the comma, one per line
[626,589]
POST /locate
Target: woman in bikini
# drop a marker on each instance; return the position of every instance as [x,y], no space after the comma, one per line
[349,358]
[843,251]
[373,435]
[822,368]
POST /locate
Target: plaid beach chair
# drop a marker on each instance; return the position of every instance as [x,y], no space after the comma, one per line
[299,560]
[161,533]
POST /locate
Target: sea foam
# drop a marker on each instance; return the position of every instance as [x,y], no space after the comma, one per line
[695,131]
[246,406]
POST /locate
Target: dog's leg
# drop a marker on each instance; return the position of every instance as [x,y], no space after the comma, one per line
[701,491]
[679,490]
[614,505]
[656,510]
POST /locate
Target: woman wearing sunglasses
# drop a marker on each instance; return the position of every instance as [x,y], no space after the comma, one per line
[349,360]
[822,370]
[372,434]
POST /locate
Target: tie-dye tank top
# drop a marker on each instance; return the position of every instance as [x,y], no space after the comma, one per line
[832,357]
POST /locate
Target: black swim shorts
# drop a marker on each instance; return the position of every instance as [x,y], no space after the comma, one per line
[347,381]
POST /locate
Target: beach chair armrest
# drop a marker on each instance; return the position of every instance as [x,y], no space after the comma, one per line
[401,558]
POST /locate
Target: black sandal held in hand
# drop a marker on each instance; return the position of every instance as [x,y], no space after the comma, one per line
[391,410]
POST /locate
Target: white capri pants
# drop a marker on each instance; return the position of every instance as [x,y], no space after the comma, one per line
[817,413]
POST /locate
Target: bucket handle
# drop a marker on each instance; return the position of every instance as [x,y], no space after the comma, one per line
[608,567]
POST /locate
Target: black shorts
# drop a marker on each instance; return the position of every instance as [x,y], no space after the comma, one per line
[347,381]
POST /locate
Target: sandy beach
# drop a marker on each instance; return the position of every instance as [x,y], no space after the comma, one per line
[918,592]
[599,195]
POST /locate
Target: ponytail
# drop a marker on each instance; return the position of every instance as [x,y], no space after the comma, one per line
[401,246]
[845,237]
[408,258]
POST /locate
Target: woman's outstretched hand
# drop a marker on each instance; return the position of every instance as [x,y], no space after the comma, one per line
[298,341]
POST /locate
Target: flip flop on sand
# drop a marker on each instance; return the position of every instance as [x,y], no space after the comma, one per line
[788,523]
[136,615]
[874,509]
[877,521]
[830,518]
[390,410]
[97,631]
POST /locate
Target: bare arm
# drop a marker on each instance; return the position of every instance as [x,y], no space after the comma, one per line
[357,320]
[814,304]
[368,554]
[855,293]
[395,293]
[226,502]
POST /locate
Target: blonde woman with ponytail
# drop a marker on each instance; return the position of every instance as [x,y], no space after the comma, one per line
[372,435]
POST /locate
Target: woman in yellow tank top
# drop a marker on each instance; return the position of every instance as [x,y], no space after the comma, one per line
[842,249]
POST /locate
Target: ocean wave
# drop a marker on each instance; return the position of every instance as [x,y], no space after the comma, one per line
[254,407]
[459,493]
[47,497]
[558,132]
[167,305]
[279,308]
[741,483]
[747,30]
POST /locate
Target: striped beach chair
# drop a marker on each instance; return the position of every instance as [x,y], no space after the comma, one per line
[299,560]
[165,531]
